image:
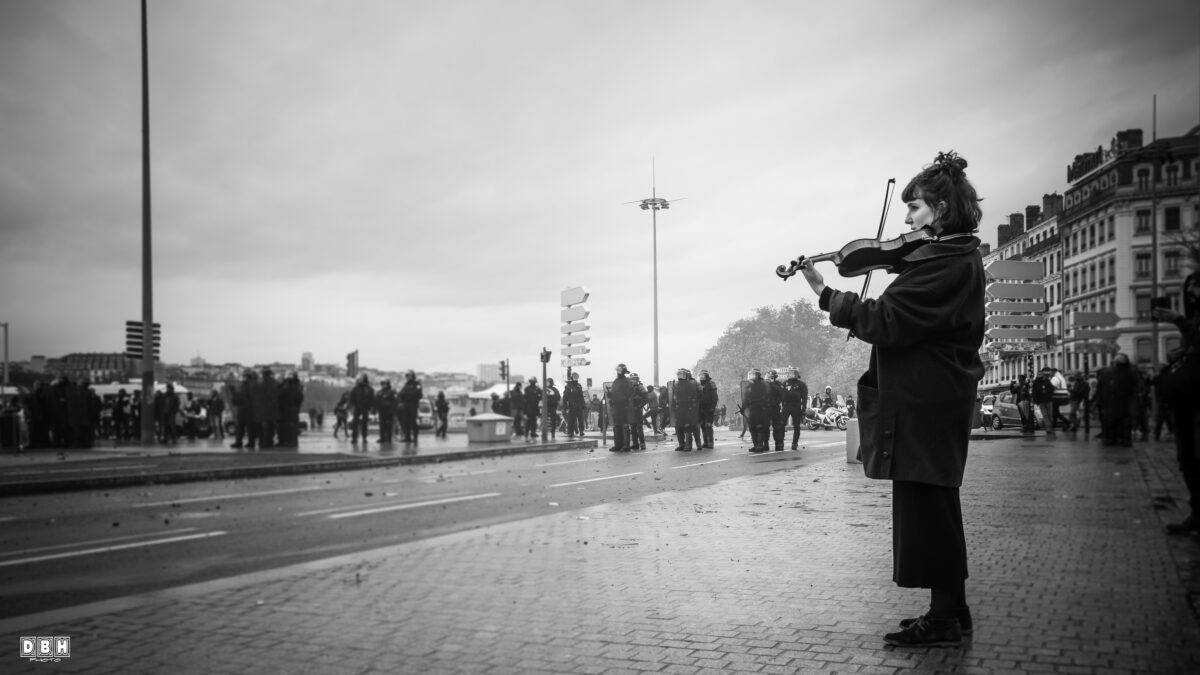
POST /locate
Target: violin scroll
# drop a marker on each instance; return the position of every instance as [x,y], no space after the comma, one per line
[789,270]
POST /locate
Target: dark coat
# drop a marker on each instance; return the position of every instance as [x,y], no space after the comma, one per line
[917,399]
[362,399]
[533,398]
[266,399]
[708,397]
[573,396]
[1116,389]
[619,395]
[685,403]
[795,395]
[387,403]
[410,397]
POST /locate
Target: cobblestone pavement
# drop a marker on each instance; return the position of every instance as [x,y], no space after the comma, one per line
[780,573]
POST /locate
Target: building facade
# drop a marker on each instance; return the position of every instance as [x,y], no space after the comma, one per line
[1124,232]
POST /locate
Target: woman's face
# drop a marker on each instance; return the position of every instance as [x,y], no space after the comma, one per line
[920,214]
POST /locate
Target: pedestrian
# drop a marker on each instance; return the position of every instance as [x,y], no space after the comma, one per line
[575,406]
[685,411]
[652,409]
[619,395]
[1078,393]
[1062,397]
[795,400]
[664,407]
[1116,392]
[341,415]
[707,408]
[169,415]
[916,402]
[291,401]
[442,407]
[1042,393]
[410,402]
[1179,388]
[1021,394]
[214,409]
[775,407]
[517,401]
[387,404]
[532,398]
[758,405]
[553,398]
[266,408]
[595,408]
[362,403]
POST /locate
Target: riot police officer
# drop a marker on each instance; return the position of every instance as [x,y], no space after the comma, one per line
[410,400]
[619,395]
[795,401]
[708,408]
[775,407]
[685,411]
[637,404]
[575,406]
[758,405]
[387,402]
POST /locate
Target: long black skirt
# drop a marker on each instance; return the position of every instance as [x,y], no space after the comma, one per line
[929,548]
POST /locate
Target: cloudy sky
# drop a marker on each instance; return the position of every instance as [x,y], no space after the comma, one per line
[420,180]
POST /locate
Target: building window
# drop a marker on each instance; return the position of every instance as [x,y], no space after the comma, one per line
[1142,222]
[1172,172]
[1171,260]
[1091,236]
[1171,218]
[1144,350]
[1112,272]
[1102,275]
[1142,303]
[1141,266]
[1112,228]
[1143,179]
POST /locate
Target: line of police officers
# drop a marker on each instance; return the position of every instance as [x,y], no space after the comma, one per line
[770,406]
[692,406]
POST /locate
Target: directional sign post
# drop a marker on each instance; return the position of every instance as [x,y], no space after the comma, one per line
[574,341]
[1016,309]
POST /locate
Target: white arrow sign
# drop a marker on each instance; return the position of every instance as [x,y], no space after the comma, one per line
[1010,291]
[574,351]
[574,339]
[574,327]
[1019,270]
[1017,320]
[574,296]
[575,363]
[579,313]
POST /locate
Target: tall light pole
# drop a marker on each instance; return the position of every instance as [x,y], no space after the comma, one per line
[5,381]
[147,266]
[654,204]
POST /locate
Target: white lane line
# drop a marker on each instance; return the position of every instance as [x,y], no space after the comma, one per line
[414,505]
[108,549]
[352,507]
[711,461]
[80,470]
[107,540]
[825,445]
[242,495]
[593,480]
[5,519]
[460,474]
[571,461]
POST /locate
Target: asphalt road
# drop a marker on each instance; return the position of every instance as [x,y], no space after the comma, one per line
[66,549]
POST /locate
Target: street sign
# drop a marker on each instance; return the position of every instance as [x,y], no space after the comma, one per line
[574,314]
[574,339]
[1005,347]
[1094,319]
[575,363]
[1017,320]
[575,351]
[1081,334]
[1095,347]
[1017,270]
[574,327]
[574,296]
[1014,291]
[1017,333]
[1004,306]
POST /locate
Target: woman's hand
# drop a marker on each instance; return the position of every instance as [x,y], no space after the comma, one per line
[813,277]
[1164,314]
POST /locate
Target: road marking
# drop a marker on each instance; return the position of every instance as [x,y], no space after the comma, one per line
[570,461]
[243,495]
[80,470]
[94,542]
[593,480]
[460,474]
[414,505]
[109,549]
[824,445]
[711,461]
[351,507]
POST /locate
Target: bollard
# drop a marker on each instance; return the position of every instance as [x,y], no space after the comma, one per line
[852,441]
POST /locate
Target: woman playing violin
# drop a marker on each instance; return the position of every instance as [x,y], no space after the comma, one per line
[916,402]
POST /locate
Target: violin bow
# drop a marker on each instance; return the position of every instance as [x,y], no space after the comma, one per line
[888,191]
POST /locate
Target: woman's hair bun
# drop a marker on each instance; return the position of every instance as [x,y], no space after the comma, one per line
[951,163]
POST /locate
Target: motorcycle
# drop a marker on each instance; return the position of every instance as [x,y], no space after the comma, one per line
[829,418]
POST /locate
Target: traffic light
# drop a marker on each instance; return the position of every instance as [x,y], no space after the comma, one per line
[352,363]
[504,370]
[545,355]
[135,340]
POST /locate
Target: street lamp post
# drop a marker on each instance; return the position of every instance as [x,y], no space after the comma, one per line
[5,381]
[654,204]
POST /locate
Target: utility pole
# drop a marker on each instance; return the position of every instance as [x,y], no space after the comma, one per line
[147,276]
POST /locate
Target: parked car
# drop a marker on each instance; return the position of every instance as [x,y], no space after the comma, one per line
[424,414]
[1005,414]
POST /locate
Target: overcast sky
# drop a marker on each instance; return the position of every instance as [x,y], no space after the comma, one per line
[420,180]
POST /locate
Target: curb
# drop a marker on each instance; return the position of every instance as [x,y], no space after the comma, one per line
[265,470]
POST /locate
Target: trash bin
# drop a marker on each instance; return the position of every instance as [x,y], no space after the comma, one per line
[489,428]
[852,441]
[10,432]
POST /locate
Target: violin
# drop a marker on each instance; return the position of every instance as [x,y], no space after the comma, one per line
[862,256]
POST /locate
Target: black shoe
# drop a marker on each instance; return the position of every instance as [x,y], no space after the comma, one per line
[681,449]
[235,445]
[965,625]
[757,450]
[793,446]
[1186,526]
[926,632]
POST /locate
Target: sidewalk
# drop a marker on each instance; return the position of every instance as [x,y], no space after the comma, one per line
[779,573]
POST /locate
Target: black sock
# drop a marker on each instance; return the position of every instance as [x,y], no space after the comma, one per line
[945,602]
